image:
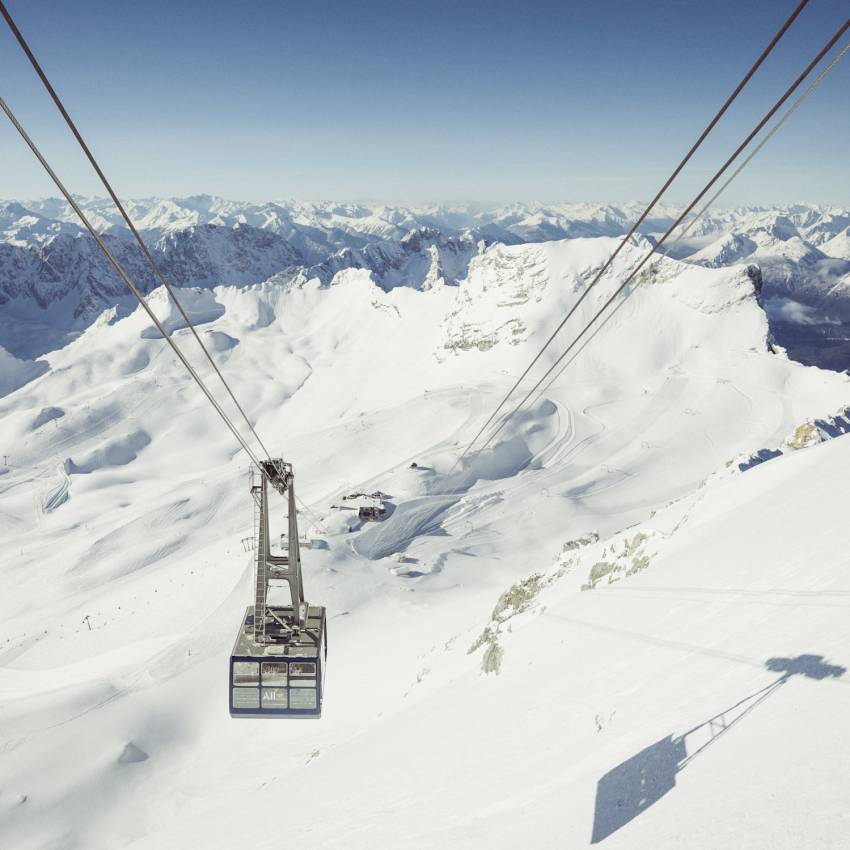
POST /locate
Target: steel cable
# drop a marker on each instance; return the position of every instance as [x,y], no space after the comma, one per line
[773,110]
[123,274]
[151,261]
[744,80]
[786,115]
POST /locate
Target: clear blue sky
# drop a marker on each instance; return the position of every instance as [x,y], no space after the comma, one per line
[415,102]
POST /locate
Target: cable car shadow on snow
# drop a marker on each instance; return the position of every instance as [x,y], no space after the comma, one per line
[633,786]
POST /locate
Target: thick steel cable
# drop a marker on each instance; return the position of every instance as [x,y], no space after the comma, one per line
[786,115]
[773,110]
[744,80]
[316,520]
[119,268]
[542,391]
[152,262]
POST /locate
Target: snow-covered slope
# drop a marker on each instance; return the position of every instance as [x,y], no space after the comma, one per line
[123,506]
[699,702]
[838,246]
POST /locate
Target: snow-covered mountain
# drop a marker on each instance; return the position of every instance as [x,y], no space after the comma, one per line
[806,263]
[200,255]
[54,283]
[422,258]
[615,625]
[315,231]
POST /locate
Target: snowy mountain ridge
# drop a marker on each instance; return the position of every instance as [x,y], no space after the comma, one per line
[353,225]
[54,283]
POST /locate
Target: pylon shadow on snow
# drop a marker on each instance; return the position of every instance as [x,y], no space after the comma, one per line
[639,782]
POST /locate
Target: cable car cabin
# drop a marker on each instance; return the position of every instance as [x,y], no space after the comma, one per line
[285,675]
[278,663]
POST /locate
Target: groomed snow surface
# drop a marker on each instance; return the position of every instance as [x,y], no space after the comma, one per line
[598,631]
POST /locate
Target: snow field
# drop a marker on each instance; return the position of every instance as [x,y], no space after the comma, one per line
[124,574]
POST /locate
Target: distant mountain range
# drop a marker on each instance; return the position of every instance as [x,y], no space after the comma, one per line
[54,282]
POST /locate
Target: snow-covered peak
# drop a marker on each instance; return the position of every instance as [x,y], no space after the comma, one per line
[204,239]
[838,246]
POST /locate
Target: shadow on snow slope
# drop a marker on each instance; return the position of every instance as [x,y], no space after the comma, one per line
[641,781]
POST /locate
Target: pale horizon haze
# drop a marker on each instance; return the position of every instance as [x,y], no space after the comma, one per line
[479,103]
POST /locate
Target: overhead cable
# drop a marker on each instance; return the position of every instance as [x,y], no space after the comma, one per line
[124,276]
[777,105]
[151,261]
[709,127]
[786,115]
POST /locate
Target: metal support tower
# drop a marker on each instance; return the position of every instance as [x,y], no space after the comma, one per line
[284,567]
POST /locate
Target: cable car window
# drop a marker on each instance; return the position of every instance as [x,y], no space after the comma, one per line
[302,675]
[274,673]
[246,673]
[304,698]
[275,698]
[246,698]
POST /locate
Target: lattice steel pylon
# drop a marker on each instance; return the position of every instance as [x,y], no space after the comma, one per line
[283,567]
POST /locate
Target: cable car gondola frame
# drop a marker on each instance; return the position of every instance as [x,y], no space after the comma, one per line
[278,661]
